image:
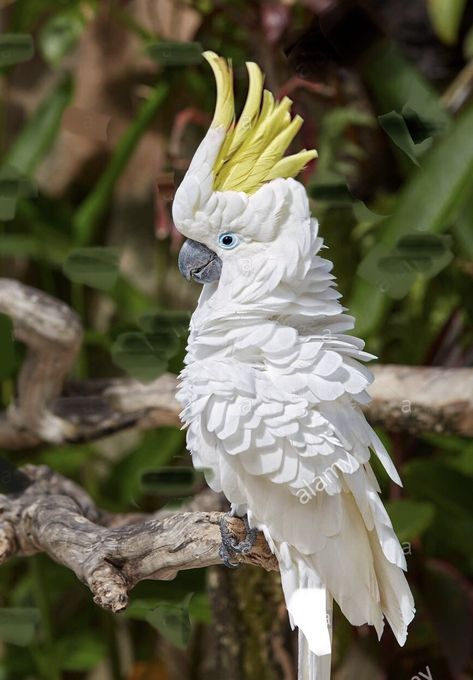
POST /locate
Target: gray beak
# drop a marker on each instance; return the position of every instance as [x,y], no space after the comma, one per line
[198,262]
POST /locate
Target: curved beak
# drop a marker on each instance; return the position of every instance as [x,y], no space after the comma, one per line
[198,262]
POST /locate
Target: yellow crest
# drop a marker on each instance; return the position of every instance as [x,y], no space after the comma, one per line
[253,150]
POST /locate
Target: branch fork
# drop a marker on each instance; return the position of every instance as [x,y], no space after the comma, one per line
[55,516]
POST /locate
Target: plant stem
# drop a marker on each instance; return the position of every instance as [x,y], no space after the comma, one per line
[108,626]
[40,594]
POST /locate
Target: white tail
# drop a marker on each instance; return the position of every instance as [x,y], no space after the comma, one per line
[310,666]
[309,606]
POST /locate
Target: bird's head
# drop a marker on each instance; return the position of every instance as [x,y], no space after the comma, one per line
[238,203]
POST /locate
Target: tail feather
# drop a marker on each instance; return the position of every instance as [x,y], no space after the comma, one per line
[310,609]
[310,666]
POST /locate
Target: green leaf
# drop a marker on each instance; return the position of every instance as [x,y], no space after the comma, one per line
[39,133]
[174,321]
[60,35]
[446,16]
[96,267]
[463,226]
[457,452]
[17,245]
[15,48]
[157,448]
[395,126]
[18,625]
[199,608]
[395,84]
[395,270]
[174,53]
[80,652]
[449,491]
[334,145]
[93,207]
[410,518]
[171,619]
[426,204]
[67,460]
[9,192]
[173,622]
[420,128]
[447,595]
[140,355]
[364,215]
[12,187]
[145,355]
[7,347]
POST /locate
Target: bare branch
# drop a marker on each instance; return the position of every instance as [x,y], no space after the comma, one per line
[52,333]
[413,399]
[422,399]
[55,516]
[46,411]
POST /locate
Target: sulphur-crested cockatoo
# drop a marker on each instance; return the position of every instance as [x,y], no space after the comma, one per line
[272,386]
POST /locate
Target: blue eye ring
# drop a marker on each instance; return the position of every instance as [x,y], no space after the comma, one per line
[228,240]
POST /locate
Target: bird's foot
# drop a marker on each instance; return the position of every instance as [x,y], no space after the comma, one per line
[230,546]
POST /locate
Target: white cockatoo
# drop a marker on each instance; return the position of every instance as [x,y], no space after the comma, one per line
[273,386]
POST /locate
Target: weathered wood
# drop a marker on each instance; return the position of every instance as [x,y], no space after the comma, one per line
[422,399]
[55,516]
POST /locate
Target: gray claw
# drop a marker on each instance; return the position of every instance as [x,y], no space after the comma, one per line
[232,547]
[244,547]
[225,556]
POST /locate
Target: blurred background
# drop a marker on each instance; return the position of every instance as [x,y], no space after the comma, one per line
[103,105]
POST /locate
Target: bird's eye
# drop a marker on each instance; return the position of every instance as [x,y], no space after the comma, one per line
[228,240]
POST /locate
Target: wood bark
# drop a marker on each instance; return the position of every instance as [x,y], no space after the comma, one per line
[111,554]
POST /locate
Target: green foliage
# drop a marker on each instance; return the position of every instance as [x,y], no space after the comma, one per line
[156,449]
[39,133]
[396,127]
[94,206]
[80,652]
[173,622]
[433,196]
[15,48]
[7,343]
[145,355]
[61,34]
[395,83]
[13,186]
[94,266]
[18,626]
[395,270]
[449,491]
[446,17]
[410,519]
[175,54]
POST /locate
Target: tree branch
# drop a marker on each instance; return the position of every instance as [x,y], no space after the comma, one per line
[55,516]
[420,399]
[111,553]
[48,409]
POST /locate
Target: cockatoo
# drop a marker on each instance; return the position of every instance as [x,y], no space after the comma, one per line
[273,386]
